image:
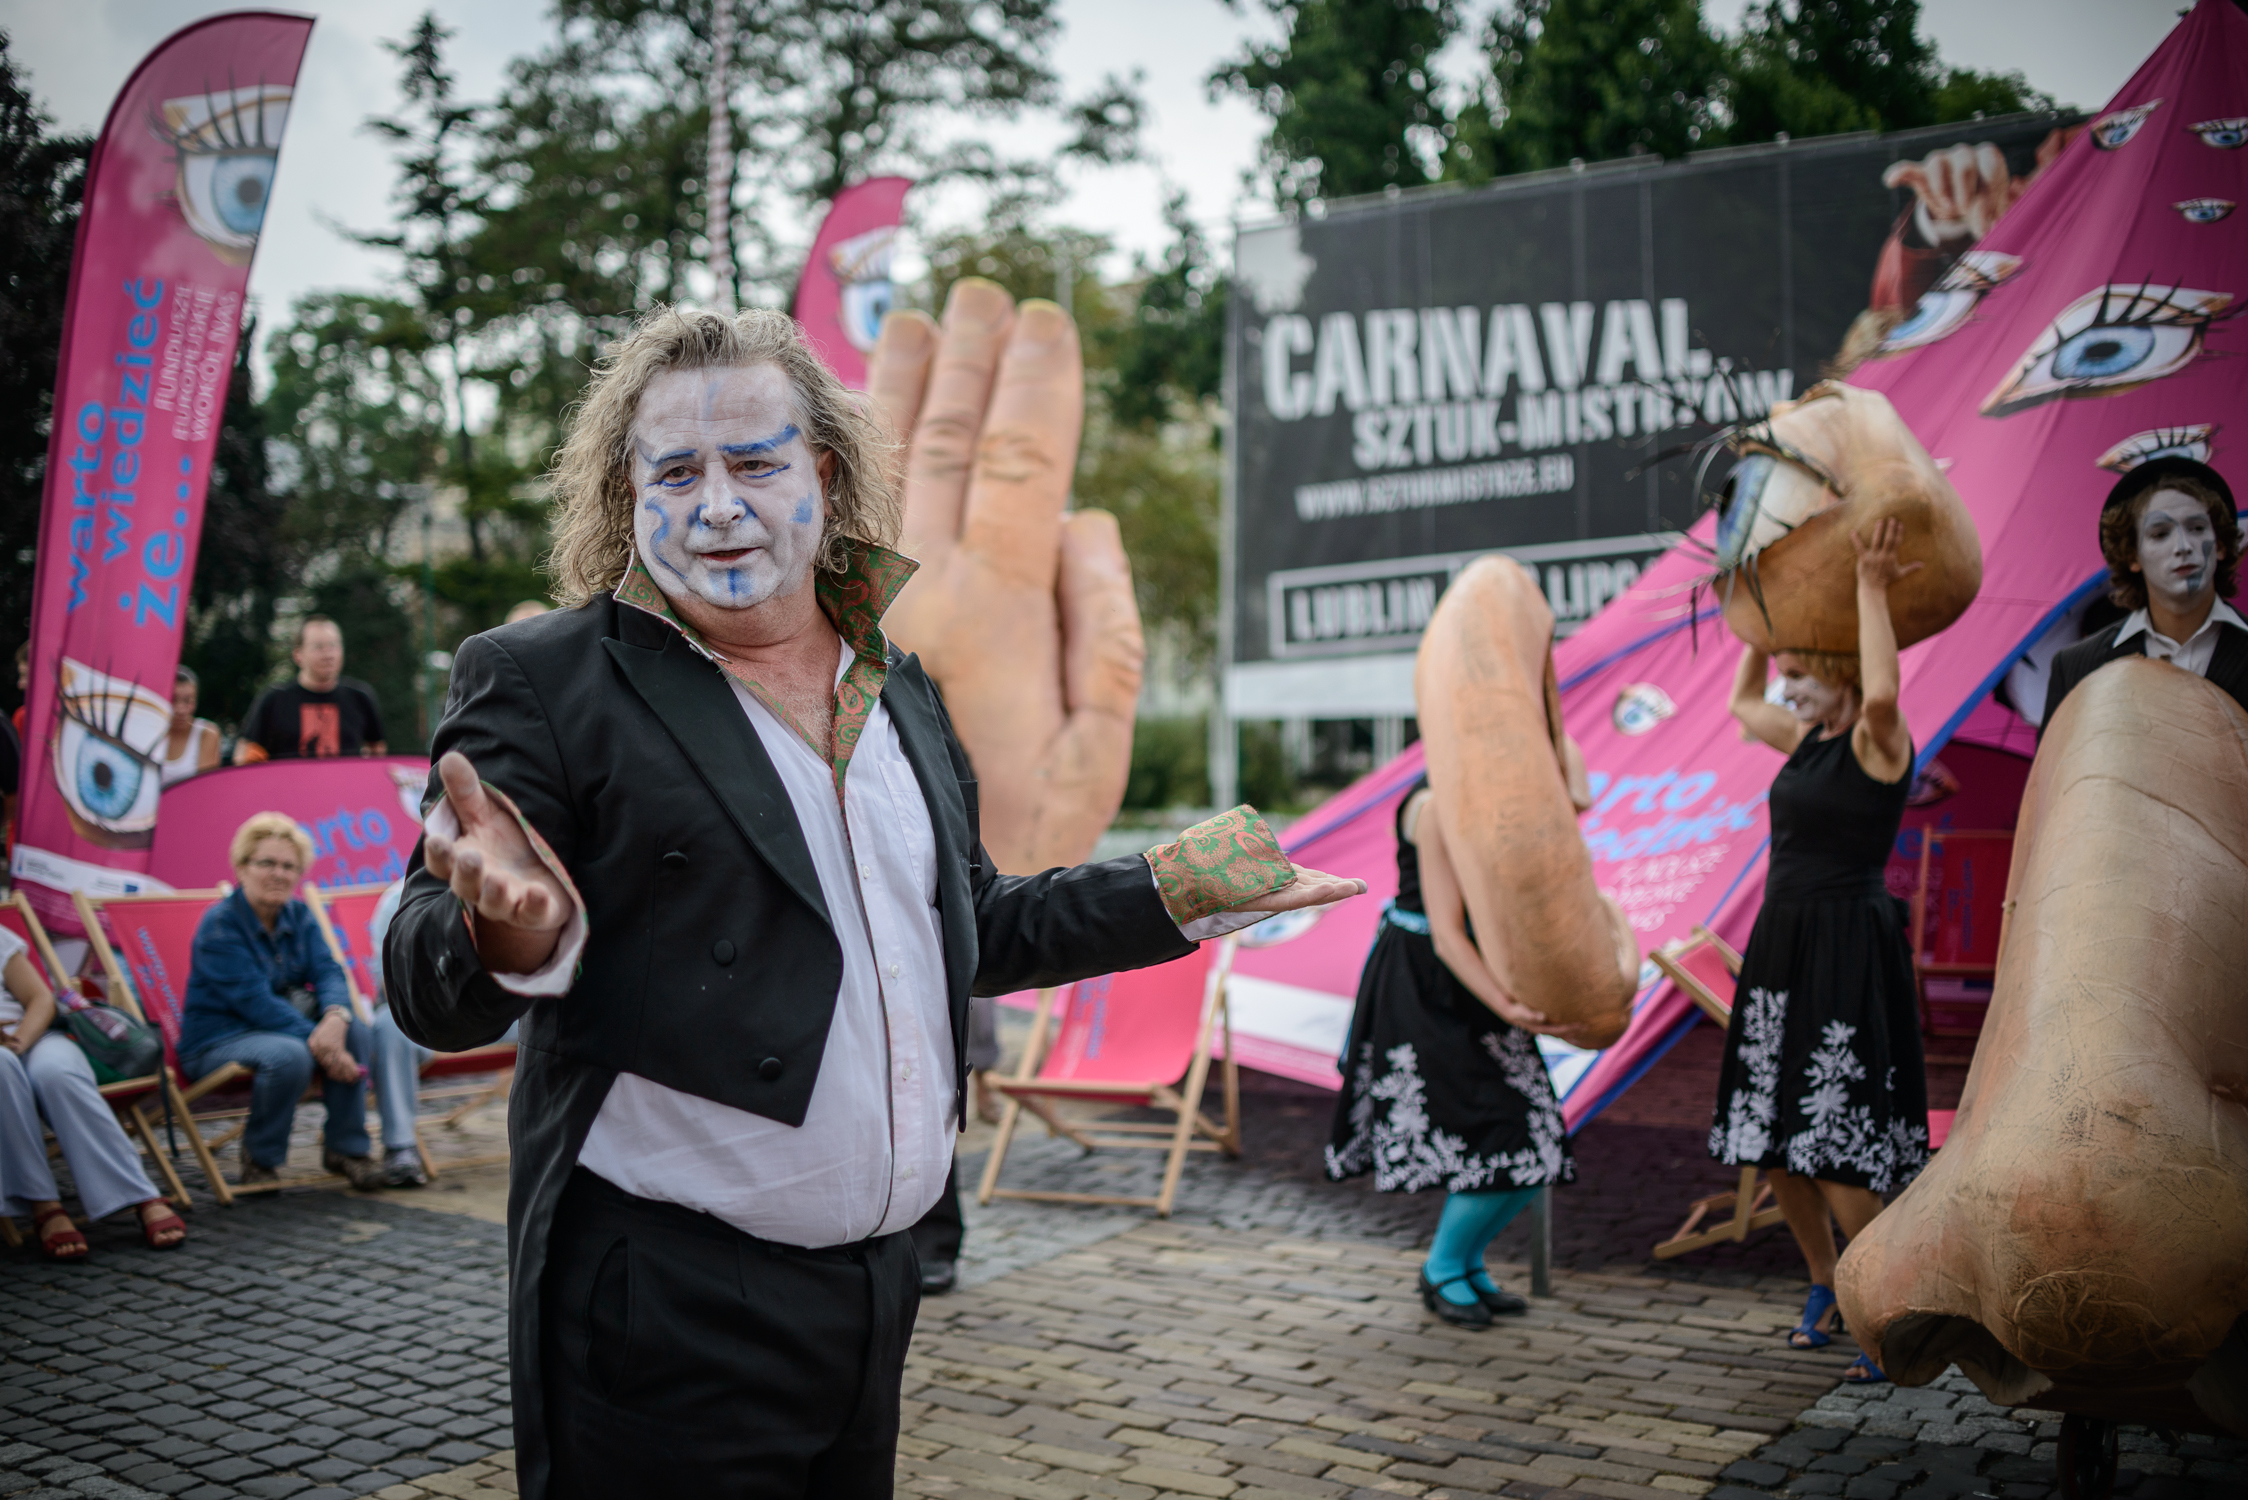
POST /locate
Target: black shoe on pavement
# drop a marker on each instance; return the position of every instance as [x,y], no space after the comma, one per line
[403,1169]
[937,1277]
[364,1172]
[1459,1315]
[1499,1300]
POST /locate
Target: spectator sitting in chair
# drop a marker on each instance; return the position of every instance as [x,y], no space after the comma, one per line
[399,1061]
[322,713]
[263,991]
[42,1072]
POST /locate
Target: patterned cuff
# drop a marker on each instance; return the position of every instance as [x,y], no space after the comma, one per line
[558,973]
[1218,864]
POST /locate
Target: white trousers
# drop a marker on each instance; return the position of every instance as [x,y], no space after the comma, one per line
[56,1081]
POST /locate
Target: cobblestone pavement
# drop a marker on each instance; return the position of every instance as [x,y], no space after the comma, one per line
[1263,1343]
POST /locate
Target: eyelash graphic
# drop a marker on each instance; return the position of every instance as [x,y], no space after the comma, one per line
[2226,135]
[1945,306]
[2193,441]
[226,144]
[109,783]
[2112,339]
[2111,132]
[2204,210]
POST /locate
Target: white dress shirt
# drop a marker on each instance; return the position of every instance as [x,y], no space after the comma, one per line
[876,1144]
[2192,654]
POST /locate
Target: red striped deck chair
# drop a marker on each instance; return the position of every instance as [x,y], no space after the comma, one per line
[1705,966]
[144,944]
[129,1097]
[346,915]
[1143,1038]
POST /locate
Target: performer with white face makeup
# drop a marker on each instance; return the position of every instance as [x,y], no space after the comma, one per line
[710,836]
[2172,543]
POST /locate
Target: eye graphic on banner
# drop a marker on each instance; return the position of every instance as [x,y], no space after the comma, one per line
[2225,135]
[105,755]
[2111,131]
[2162,442]
[227,144]
[1640,706]
[1945,306]
[862,266]
[2204,210]
[2112,339]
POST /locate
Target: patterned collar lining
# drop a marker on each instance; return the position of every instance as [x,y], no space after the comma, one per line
[854,600]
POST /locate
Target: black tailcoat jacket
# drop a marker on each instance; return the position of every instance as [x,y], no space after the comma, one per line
[2228,664]
[710,965]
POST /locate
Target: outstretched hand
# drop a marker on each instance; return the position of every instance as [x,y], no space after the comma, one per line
[1309,888]
[520,906]
[1022,611]
[1877,555]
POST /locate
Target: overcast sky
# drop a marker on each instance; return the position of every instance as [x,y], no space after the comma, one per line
[78,54]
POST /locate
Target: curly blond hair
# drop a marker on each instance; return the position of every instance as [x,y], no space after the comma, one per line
[592,480]
[268,825]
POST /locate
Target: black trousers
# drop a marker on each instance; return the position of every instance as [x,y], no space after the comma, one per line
[683,1357]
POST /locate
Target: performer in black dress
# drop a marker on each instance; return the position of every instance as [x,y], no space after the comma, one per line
[1822,1083]
[1443,1086]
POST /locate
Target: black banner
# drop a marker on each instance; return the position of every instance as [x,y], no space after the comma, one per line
[1420,381]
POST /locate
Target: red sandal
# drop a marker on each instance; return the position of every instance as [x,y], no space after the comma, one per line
[164,1221]
[66,1243]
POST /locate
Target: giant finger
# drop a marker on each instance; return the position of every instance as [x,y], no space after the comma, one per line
[977,316]
[897,374]
[1027,455]
[1103,650]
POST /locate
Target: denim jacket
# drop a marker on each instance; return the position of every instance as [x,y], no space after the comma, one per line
[241,977]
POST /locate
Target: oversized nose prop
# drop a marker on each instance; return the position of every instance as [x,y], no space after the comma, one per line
[1500,769]
[2080,1243]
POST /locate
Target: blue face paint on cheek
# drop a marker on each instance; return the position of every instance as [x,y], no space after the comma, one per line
[803,512]
[656,537]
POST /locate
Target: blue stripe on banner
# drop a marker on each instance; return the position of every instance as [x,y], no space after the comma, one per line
[1617,655]
[2051,617]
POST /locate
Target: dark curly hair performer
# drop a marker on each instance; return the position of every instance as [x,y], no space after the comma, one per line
[2171,537]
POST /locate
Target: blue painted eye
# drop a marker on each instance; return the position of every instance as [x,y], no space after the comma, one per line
[2225,135]
[108,777]
[2097,353]
[1744,493]
[2204,210]
[240,183]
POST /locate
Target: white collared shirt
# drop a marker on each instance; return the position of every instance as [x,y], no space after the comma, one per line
[876,1142]
[2194,653]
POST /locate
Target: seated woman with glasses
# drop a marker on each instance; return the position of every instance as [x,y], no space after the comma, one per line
[42,1073]
[264,991]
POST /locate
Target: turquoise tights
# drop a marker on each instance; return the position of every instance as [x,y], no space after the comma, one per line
[1469,1224]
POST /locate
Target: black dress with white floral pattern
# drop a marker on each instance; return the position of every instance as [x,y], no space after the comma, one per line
[1438,1092]
[1822,1071]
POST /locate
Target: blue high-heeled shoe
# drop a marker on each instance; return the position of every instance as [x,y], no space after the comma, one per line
[1807,1334]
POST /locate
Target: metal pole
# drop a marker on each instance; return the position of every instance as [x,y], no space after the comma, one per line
[1065,278]
[719,166]
[1541,1243]
[425,670]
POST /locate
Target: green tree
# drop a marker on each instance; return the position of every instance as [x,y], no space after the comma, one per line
[42,176]
[1590,80]
[1351,91]
[1169,352]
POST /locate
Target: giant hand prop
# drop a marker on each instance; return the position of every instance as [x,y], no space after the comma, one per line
[1022,613]
[2081,1241]
[1839,460]
[1506,782]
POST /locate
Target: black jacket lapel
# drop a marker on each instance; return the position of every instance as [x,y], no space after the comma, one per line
[911,699]
[690,695]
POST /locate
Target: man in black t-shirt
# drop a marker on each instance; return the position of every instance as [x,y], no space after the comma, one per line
[322,713]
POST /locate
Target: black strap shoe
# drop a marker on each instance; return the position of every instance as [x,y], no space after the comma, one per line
[1501,1302]
[937,1277]
[1473,1315]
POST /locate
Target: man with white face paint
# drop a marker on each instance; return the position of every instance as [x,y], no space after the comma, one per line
[2172,542]
[713,840]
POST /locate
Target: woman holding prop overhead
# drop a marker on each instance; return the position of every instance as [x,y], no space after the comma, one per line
[1822,1082]
[1443,1086]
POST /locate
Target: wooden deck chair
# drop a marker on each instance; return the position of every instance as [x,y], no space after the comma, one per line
[157,934]
[346,916]
[129,1097]
[1705,967]
[1144,1038]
